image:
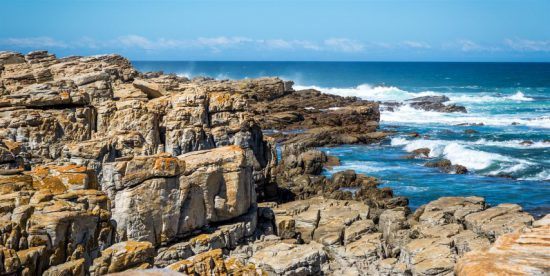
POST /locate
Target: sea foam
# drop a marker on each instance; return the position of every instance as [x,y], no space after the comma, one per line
[407,114]
[462,153]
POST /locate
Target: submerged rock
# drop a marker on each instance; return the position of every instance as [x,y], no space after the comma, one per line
[446,166]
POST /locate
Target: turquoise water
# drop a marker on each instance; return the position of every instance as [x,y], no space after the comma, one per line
[510,100]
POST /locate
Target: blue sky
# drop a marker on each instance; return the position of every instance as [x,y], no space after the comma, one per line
[391,30]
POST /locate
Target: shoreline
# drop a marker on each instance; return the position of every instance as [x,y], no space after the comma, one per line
[151,170]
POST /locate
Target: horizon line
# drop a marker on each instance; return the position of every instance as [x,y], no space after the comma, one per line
[340,61]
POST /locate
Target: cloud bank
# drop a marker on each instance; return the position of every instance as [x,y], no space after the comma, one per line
[224,43]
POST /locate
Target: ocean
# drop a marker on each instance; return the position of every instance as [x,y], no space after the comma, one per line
[503,140]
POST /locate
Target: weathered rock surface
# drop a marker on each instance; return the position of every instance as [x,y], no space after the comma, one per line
[122,256]
[104,169]
[93,152]
[525,251]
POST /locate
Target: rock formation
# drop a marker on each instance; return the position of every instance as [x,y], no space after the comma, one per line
[104,169]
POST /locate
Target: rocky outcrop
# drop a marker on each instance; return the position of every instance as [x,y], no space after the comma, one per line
[178,195]
[317,119]
[320,235]
[51,216]
[93,152]
[522,252]
[104,169]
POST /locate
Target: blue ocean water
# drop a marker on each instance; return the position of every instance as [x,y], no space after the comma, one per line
[508,108]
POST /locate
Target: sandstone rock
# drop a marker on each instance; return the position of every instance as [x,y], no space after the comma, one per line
[450,209]
[213,263]
[523,252]
[495,221]
[321,220]
[122,256]
[75,268]
[225,237]
[428,256]
[290,259]
[179,194]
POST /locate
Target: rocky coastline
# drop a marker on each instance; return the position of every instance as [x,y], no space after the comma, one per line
[104,169]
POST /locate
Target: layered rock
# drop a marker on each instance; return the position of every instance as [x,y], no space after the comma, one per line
[317,119]
[50,216]
[328,236]
[104,169]
[93,152]
[525,251]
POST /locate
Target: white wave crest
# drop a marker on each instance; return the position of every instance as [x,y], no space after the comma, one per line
[519,96]
[368,92]
[469,98]
[518,144]
[407,114]
[543,175]
[461,154]
[392,93]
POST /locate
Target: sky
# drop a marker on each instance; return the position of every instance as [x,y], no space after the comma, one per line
[283,30]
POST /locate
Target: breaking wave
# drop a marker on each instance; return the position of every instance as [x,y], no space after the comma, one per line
[464,153]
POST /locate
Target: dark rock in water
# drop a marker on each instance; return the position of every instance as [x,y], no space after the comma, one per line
[421,152]
[505,175]
[435,103]
[459,169]
[446,166]
[430,99]
[470,124]
[332,161]
[443,163]
[438,107]
[526,143]
[389,106]
[470,131]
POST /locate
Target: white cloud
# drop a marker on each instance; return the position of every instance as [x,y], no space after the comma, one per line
[33,42]
[525,45]
[130,41]
[416,44]
[469,46]
[466,45]
[289,44]
[219,43]
[344,45]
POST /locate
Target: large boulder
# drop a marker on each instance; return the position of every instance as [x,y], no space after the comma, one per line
[159,198]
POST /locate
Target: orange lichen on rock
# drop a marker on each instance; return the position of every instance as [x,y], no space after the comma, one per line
[213,263]
[59,179]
